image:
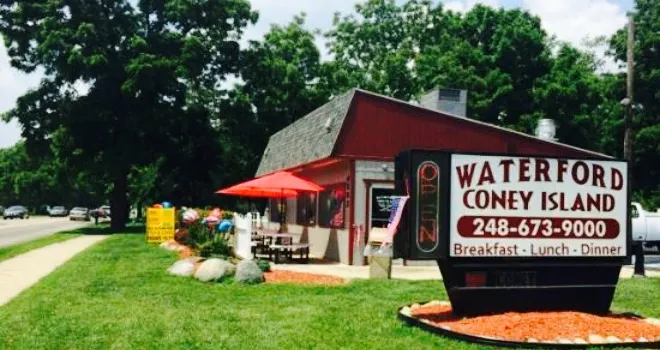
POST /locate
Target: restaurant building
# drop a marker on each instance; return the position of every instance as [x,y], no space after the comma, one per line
[348,146]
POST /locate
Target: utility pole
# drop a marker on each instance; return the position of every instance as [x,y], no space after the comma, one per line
[638,247]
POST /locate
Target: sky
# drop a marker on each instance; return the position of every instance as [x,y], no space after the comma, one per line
[567,20]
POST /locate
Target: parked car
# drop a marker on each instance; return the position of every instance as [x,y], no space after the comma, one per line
[58,211]
[15,212]
[79,213]
[102,212]
[645,226]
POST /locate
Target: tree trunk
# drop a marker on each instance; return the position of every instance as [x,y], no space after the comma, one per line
[139,211]
[119,201]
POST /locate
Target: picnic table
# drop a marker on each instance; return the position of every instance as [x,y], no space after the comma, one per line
[279,244]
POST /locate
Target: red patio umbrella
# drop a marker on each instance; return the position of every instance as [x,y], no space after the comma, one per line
[277,185]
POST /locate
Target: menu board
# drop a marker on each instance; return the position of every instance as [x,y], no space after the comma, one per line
[160,225]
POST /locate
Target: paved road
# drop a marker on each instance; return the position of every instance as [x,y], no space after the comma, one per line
[17,231]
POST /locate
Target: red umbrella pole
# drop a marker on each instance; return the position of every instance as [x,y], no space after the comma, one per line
[282,212]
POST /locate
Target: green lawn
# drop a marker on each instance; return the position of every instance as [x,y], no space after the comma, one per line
[14,250]
[117,295]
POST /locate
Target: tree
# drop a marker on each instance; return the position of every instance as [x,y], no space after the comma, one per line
[402,51]
[568,94]
[143,65]
[281,83]
[376,50]
[35,180]
[497,55]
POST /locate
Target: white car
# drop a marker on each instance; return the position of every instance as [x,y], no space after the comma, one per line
[79,213]
[645,226]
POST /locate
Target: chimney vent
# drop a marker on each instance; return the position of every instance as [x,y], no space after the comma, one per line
[450,101]
[546,129]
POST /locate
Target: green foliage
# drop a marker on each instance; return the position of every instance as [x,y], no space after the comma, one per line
[34,180]
[155,124]
[208,241]
[217,247]
[146,67]
[199,233]
[264,265]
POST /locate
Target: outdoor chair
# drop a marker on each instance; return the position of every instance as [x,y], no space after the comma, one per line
[258,244]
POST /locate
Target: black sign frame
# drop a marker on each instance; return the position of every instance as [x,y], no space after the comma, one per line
[474,283]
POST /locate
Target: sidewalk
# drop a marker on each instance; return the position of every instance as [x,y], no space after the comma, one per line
[22,272]
[398,271]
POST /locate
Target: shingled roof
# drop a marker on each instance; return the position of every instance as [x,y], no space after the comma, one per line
[308,139]
[313,137]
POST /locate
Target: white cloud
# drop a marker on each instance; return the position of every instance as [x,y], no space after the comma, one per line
[13,84]
[467,5]
[573,21]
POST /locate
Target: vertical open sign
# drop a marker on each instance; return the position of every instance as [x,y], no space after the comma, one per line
[428,202]
[421,176]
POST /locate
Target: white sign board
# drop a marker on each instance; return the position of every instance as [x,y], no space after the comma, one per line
[505,206]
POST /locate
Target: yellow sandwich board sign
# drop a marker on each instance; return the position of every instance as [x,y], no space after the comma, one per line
[160,225]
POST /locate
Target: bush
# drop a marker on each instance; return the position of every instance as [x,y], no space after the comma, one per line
[198,234]
[264,265]
[218,247]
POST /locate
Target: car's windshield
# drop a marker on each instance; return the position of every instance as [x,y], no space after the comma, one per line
[58,208]
[16,207]
[79,209]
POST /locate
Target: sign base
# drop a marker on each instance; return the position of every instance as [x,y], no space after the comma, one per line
[495,287]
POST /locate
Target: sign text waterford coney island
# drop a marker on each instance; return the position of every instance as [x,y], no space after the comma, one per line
[502,206]
[514,232]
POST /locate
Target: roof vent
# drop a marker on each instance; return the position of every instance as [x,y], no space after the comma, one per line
[328,124]
[450,101]
[546,129]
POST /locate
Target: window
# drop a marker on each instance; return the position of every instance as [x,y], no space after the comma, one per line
[306,209]
[633,212]
[332,206]
[276,206]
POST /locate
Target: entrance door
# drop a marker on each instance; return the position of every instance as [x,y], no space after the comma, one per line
[379,202]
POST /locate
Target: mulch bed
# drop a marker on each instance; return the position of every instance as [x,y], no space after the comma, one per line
[548,327]
[291,277]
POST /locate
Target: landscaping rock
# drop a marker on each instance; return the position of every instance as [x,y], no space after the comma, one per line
[169,245]
[595,339]
[182,268]
[214,269]
[248,272]
[185,252]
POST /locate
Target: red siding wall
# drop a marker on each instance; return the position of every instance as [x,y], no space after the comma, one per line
[380,128]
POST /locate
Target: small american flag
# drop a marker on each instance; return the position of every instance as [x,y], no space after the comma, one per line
[398,203]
